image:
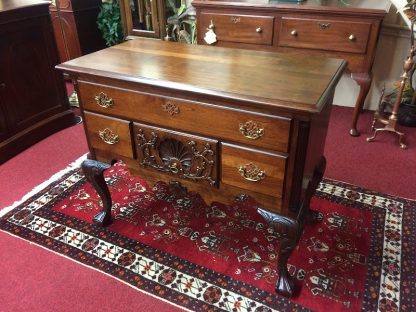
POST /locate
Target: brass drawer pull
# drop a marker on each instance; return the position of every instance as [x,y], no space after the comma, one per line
[170,108]
[251,172]
[108,136]
[294,32]
[259,30]
[324,26]
[251,130]
[103,100]
[352,37]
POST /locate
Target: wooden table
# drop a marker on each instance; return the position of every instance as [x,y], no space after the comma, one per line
[222,122]
[342,29]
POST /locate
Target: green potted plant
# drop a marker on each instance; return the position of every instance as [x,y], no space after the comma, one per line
[109,22]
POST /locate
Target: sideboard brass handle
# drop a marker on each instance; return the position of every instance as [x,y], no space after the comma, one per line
[251,130]
[352,37]
[324,26]
[259,30]
[103,100]
[108,136]
[251,172]
[294,32]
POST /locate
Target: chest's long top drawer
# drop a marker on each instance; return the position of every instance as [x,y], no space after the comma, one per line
[239,28]
[324,34]
[266,131]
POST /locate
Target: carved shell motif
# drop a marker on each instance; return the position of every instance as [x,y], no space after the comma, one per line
[174,153]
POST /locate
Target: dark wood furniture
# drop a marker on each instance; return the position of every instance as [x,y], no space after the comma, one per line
[220,121]
[331,29]
[33,101]
[143,18]
[75,27]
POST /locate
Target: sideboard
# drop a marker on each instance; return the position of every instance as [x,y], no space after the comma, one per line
[33,101]
[343,29]
[222,122]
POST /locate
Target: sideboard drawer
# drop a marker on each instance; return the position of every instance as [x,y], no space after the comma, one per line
[324,34]
[178,154]
[110,134]
[240,28]
[265,131]
[253,170]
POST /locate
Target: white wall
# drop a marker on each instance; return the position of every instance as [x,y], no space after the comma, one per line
[392,49]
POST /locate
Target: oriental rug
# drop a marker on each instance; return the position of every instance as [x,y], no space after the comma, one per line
[222,257]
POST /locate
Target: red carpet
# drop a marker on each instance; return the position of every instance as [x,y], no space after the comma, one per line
[25,271]
[222,257]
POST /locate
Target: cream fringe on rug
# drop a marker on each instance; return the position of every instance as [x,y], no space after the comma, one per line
[44,184]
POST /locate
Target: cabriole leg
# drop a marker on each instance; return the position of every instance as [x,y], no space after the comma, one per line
[290,231]
[94,172]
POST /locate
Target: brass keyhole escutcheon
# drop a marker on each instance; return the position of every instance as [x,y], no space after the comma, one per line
[324,26]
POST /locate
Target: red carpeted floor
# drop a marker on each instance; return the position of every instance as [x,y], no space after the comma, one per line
[35,279]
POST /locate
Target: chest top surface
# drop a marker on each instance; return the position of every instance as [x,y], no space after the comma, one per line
[271,79]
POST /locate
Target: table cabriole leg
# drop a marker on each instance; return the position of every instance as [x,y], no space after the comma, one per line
[93,171]
[291,230]
[364,81]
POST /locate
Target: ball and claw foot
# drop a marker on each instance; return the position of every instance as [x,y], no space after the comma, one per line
[285,285]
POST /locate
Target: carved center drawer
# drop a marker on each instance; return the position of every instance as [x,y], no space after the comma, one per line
[324,34]
[178,154]
[109,134]
[258,171]
[260,130]
[240,28]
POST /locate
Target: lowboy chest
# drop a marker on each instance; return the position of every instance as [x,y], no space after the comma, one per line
[219,121]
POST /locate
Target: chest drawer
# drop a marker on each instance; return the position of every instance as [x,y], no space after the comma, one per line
[253,170]
[109,134]
[178,154]
[266,131]
[239,28]
[324,34]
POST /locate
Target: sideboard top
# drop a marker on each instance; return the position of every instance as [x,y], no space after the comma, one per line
[366,7]
[260,78]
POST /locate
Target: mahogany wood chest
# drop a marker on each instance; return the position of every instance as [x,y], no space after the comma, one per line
[219,121]
[333,28]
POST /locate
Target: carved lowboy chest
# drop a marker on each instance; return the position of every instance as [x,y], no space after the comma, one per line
[219,121]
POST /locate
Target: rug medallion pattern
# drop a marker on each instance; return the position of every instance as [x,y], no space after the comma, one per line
[223,257]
